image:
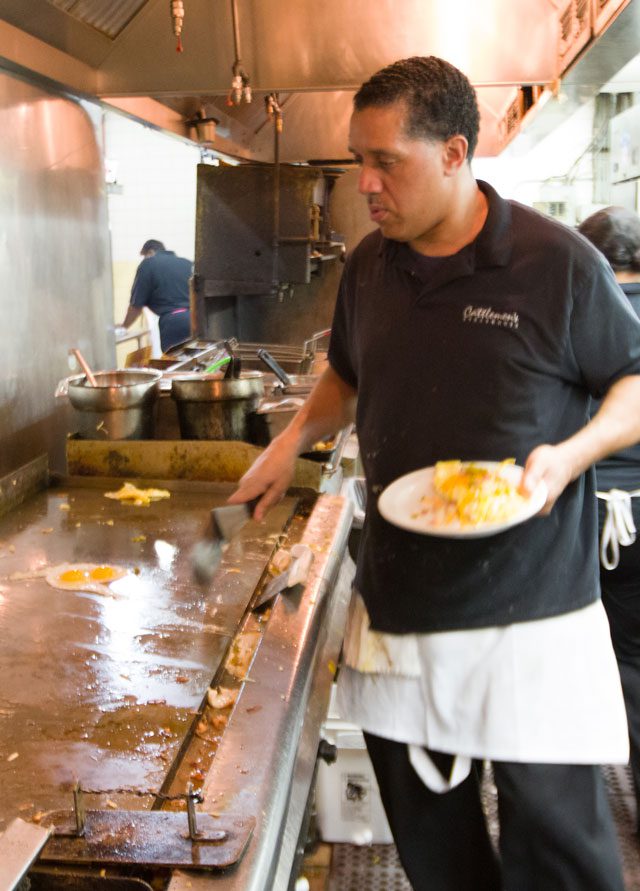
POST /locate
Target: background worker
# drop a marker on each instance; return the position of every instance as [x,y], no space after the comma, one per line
[162,284]
[492,648]
[615,231]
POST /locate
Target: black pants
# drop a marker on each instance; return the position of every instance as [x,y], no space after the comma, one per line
[621,599]
[556,830]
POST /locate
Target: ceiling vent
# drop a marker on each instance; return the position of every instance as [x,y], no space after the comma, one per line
[109,19]
[574,31]
[604,11]
[510,124]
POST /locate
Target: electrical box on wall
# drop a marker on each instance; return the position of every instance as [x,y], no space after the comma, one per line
[625,145]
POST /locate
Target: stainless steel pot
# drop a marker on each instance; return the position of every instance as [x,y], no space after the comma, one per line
[121,406]
[211,408]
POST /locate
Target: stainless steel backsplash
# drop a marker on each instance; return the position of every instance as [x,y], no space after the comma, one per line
[55,269]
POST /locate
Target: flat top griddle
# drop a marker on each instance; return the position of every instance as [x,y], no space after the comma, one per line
[104,688]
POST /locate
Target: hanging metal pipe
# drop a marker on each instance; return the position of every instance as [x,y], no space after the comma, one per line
[236,31]
[276,205]
[240,86]
[275,111]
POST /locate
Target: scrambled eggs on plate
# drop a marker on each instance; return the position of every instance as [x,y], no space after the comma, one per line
[474,494]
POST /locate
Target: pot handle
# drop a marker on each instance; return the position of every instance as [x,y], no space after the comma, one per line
[63,387]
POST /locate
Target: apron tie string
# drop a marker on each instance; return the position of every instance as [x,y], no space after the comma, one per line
[618,529]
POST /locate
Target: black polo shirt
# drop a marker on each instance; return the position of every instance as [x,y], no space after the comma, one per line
[482,355]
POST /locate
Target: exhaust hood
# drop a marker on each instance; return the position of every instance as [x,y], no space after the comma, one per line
[615,41]
[313,55]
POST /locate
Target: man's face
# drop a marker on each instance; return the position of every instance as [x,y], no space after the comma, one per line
[404,179]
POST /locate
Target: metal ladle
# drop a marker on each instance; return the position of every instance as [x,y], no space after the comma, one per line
[85,367]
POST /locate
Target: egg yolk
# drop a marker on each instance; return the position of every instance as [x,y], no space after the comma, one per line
[102,573]
[73,575]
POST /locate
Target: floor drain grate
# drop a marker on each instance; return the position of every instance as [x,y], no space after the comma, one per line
[623,806]
[367,868]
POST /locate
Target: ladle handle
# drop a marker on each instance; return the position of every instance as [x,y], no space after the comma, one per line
[83,364]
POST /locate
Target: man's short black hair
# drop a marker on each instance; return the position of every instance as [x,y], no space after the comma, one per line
[615,231]
[152,245]
[440,100]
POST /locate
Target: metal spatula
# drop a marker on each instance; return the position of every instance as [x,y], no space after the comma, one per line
[296,574]
[224,524]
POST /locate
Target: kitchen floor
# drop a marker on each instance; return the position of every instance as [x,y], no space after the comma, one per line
[343,867]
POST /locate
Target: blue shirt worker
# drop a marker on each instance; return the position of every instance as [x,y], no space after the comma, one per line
[162,284]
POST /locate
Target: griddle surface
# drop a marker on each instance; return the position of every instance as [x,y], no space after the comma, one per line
[103,688]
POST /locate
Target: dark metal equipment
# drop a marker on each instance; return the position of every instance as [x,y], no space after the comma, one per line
[262,230]
[234,226]
[162,838]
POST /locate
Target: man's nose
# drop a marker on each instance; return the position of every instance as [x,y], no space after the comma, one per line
[369,182]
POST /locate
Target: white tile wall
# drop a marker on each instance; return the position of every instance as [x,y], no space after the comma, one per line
[151,194]
[155,194]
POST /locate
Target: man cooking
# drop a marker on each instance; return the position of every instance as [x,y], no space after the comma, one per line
[471,327]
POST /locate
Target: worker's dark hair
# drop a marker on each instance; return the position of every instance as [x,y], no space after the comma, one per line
[440,100]
[152,245]
[615,231]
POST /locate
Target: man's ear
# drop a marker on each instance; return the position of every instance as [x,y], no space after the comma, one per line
[455,151]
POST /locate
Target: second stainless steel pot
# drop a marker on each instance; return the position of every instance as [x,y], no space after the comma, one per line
[210,408]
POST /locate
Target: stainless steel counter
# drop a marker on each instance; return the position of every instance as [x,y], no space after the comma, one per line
[275,739]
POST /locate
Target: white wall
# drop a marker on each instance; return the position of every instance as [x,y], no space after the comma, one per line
[153,196]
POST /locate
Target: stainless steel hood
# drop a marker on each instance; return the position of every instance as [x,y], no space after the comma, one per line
[615,43]
[314,55]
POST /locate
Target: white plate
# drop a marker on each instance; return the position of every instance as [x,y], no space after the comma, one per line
[401,501]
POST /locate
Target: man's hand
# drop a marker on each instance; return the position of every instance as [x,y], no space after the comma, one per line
[553,465]
[615,426]
[270,476]
[330,406]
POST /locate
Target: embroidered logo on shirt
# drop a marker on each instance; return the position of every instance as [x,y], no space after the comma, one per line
[484,315]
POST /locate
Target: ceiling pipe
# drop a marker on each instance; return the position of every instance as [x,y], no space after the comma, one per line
[240,86]
[274,111]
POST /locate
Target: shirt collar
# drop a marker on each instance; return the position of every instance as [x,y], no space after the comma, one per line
[491,247]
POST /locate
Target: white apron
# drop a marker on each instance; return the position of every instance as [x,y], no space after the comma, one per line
[545,691]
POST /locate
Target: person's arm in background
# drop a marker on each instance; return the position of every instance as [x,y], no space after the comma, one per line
[329,408]
[133,313]
[615,426]
[140,291]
